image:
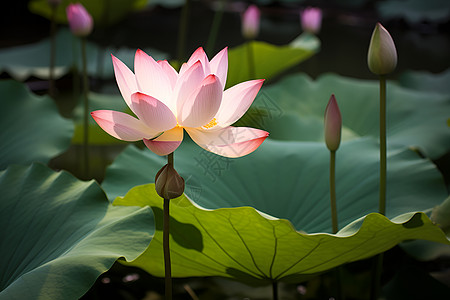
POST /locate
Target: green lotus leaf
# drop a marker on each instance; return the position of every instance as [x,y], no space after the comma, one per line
[23,61]
[293,109]
[58,234]
[242,244]
[33,130]
[426,81]
[104,13]
[290,180]
[415,11]
[268,60]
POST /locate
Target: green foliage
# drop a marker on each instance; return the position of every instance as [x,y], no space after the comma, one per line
[289,180]
[58,234]
[245,245]
[426,81]
[23,61]
[414,118]
[269,60]
[104,12]
[33,130]
[415,11]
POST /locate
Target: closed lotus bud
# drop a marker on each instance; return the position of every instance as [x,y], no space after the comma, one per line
[311,19]
[168,183]
[382,55]
[333,124]
[80,21]
[250,22]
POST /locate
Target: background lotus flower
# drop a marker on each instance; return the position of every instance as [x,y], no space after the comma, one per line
[165,102]
[80,21]
[250,22]
[311,19]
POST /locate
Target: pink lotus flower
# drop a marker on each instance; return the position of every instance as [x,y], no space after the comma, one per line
[250,22]
[80,21]
[311,19]
[166,102]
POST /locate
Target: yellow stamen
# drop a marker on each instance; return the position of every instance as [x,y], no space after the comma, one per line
[211,124]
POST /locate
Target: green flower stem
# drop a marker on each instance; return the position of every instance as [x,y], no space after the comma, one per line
[86,109]
[377,268]
[382,201]
[275,290]
[250,60]
[182,30]
[215,27]
[51,89]
[334,219]
[166,243]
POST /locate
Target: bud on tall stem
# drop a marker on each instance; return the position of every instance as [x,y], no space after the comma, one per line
[333,124]
[382,55]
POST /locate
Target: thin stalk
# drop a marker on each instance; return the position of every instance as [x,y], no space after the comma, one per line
[215,27]
[250,60]
[166,243]
[382,201]
[182,30]
[52,89]
[334,219]
[86,109]
[275,290]
[377,268]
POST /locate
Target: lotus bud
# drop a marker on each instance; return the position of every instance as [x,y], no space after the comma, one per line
[168,183]
[382,55]
[250,22]
[80,21]
[311,19]
[333,124]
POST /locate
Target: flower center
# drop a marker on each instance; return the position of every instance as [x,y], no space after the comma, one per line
[211,124]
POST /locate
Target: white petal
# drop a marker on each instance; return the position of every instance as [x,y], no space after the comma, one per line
[200,55]
[202,105]
[219,65]
[167,142]
[153,112]
[187,83]
[122,126]
[170,72]
[151,78]
[125,80]
[230,141]
[236,101]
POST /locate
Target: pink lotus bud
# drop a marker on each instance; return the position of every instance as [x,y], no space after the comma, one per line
[250,22]
[382,55]
[80,21]
[168,183]
[333,124]
[311,19]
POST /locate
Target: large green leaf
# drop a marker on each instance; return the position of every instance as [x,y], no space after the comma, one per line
[23,61]
[58,234]
[242,244]
[269,60]
[415,11]
[289,180]
[426,81]
[104,12]
[414,118]
[32,129]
